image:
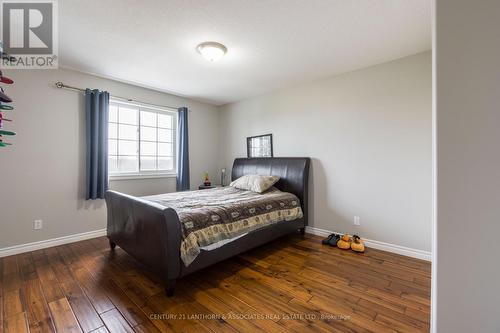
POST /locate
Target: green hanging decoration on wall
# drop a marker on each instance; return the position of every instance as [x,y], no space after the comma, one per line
[3,132]
[6,107]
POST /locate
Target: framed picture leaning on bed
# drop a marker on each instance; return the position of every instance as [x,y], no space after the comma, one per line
[260,146]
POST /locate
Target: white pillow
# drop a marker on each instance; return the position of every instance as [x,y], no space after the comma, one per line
[255,183]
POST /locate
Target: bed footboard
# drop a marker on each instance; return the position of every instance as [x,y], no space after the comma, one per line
[148,232]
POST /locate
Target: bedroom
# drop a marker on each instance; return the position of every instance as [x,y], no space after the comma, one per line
[367,118]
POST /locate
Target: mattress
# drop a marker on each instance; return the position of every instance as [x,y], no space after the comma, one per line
[214,217]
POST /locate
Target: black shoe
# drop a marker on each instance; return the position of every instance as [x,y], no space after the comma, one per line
[333,241]
[327,239]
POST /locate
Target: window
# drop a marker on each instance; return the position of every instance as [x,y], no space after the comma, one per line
[141,140]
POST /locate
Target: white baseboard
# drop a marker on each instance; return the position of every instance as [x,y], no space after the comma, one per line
[16,249]
[12,250]
[405,251]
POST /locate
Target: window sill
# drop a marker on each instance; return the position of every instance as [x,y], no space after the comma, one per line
[141,176]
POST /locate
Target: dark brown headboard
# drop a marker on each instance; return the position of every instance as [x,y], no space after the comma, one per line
[293,173]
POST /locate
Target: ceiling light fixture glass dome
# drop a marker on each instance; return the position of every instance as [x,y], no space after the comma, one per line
[212,51]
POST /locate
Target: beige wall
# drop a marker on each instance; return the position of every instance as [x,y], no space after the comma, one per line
[42,175]
[368,133]
[466,295]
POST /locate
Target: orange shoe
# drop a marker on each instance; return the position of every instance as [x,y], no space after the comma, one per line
[344,243]
[357,244]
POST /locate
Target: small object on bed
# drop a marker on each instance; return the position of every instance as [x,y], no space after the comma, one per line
[344,243]
[255,183]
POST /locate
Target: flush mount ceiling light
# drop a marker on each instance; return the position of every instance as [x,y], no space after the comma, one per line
[212,51]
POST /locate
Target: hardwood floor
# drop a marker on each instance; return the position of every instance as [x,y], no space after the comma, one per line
[293,284]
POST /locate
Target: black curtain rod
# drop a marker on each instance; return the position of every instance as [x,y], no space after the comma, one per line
[61,85]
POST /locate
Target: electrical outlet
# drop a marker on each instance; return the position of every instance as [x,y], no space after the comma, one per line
[37,224]
[357,220]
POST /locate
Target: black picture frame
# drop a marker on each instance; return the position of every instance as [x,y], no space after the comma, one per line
[266,148]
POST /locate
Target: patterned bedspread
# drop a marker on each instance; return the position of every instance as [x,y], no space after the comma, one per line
[210,216]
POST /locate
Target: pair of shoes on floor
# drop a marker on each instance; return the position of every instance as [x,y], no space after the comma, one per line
[345,242]
[331,240]
[357,244]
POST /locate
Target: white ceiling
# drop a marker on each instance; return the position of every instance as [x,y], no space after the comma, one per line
[271,44]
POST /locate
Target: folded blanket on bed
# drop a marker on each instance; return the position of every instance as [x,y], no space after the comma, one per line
[210,216]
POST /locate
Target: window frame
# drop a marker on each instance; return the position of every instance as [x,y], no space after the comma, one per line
[146,173]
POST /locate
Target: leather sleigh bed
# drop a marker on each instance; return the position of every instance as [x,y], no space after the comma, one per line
[152,233]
